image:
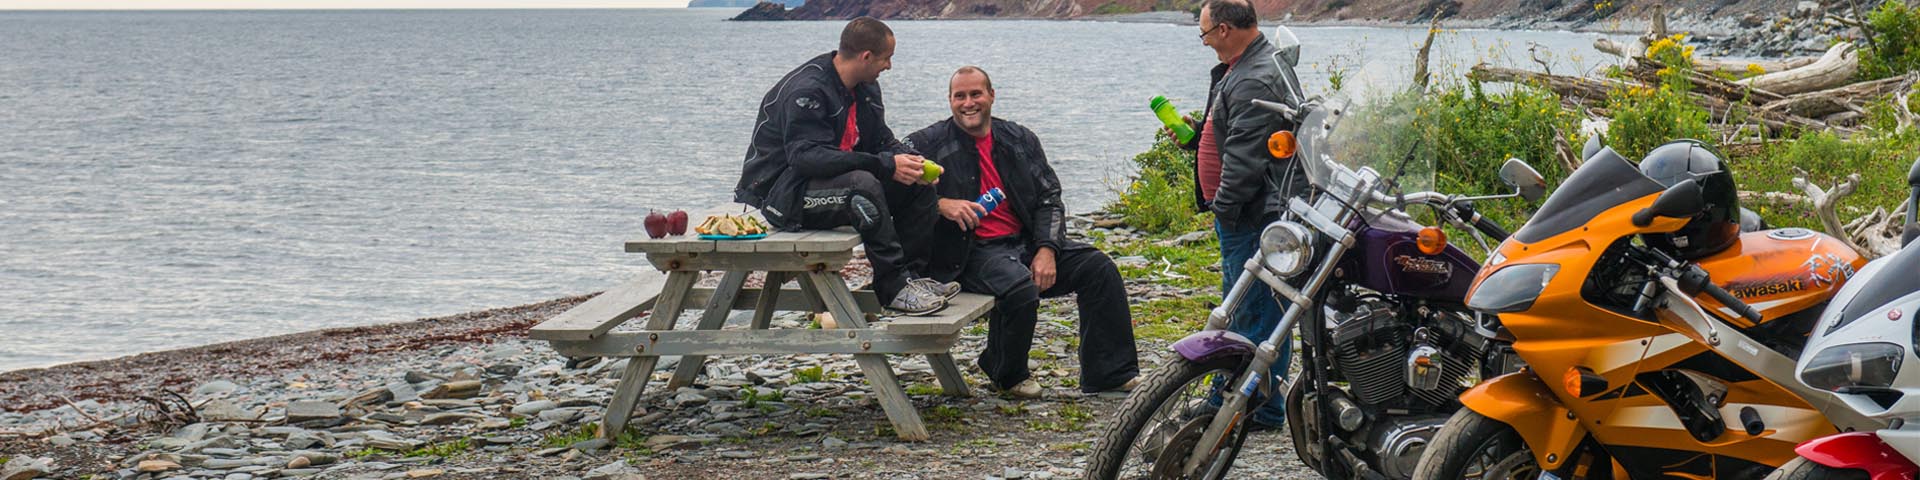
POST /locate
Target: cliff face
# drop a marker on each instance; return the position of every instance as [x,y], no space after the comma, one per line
[1492,12]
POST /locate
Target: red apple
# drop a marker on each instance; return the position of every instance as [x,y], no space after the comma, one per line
[677,222]
[656,225]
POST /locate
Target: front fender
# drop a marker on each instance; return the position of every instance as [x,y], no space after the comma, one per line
[1207,345]
[1859,450]
[1523,402]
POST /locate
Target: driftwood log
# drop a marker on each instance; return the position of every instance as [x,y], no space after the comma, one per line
[1597,89]
[1833,69]
[1706,64]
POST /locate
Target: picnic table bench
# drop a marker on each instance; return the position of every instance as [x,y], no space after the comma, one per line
[812,260]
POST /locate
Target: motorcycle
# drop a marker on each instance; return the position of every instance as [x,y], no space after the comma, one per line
[1387,341]
[1660,338]
[1863,340]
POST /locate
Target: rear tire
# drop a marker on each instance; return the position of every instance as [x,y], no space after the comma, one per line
[1174,380]
[1473,446]
[1803,469]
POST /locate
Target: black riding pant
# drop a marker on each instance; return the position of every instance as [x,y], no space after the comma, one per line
[1002,268]
[878,209]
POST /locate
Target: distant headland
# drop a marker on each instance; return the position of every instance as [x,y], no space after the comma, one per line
[1519,14]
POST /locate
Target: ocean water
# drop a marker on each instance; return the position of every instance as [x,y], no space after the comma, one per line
[170,179]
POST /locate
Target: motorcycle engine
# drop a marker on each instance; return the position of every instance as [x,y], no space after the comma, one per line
[1400,440]
[1370,351]
[1371,346]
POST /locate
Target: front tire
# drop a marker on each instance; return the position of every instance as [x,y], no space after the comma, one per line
[1153,415]
[1803,469]
[1473,446]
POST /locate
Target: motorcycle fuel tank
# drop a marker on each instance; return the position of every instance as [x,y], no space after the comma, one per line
[1386,258]
[1782,271]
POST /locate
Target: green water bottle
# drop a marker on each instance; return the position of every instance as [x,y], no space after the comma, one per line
[1171,117]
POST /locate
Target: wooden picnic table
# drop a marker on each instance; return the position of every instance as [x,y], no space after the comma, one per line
[812,260]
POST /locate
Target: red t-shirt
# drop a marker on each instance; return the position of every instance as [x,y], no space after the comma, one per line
[1209,157]
[852,136]
[1000,222]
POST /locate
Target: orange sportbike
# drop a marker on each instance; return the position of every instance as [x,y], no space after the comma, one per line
[1660,336]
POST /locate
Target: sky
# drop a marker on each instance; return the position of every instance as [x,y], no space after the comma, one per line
[325,4]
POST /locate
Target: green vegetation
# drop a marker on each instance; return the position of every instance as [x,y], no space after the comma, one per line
[1070,447]
[1112,8]
[445,449]
[1072,418]
[1894,48]
[581,434]
[365,453]
[1170,319]
[813,374]
[1160,199]
[751,397]
[1013,409]
[923,389]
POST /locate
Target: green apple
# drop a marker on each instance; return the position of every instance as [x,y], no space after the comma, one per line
[931,171]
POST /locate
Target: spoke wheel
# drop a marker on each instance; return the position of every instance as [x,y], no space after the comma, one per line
[1162,421]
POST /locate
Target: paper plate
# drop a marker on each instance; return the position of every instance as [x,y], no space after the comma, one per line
[709,236]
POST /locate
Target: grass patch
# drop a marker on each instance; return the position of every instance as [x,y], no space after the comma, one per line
[1160,197]
[822,412]
[751,397]
[977,329]
[1172,318]
[1038,354]
[446,449]
[1072,418]
[1013,409]
[365,453]
[923,389]
[813,374]
[580,434]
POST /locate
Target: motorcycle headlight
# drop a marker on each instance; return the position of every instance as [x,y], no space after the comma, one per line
[1284,248]
[1512,289]
[1854,365]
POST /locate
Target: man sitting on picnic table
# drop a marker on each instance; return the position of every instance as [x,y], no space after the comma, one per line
[1019,252]
[823,157]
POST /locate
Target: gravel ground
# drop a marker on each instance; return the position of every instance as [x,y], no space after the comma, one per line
[469,396]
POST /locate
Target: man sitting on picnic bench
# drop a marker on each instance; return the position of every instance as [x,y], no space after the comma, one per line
[1019,252]
[821,156]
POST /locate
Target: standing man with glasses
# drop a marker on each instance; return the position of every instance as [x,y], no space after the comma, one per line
[823,157]
[1236,179]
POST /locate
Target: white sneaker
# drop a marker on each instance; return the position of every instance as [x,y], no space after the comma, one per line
[1027,389]
[945,290]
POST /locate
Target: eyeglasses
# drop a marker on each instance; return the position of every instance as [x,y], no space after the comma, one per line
[1216,28]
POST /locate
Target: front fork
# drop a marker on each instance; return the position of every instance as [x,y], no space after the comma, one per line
[1235,402]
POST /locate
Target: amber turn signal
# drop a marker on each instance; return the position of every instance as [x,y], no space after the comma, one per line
[1432,240]
[1282,144]
[1582,382]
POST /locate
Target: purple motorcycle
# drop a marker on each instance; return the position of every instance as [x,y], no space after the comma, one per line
[1387,342]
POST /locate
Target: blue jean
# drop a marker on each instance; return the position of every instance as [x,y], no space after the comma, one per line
[1258,314]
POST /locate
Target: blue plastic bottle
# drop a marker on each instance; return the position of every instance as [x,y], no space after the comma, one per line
[990,200]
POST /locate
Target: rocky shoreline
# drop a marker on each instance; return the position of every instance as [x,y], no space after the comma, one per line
[469,396]
[1741,28]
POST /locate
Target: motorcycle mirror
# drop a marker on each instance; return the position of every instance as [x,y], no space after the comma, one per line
[1913,232]
[1593,146]
[1519,175]
[1684,199]
[1913,175]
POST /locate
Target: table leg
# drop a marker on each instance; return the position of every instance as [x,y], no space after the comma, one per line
[893,399]
[812,294]
[712,319]
[951,381]
[633,380]
[769,299]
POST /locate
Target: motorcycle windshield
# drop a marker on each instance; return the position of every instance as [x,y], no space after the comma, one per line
[1886,288]
[1345,137]
[1605,181]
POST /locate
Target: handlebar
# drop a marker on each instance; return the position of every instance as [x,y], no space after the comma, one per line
[1465,211]
[1693,280]
[1277,107]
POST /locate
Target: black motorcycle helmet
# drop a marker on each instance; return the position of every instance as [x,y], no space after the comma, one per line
[1712,230]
